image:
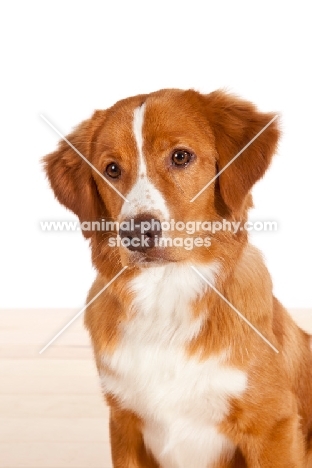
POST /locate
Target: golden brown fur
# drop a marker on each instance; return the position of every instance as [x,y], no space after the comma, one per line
[271,424]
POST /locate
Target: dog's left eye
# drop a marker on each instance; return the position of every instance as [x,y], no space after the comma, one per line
[181,157]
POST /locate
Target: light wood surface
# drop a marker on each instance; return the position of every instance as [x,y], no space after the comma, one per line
[52,414]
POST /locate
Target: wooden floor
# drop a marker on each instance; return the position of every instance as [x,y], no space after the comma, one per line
[51,411]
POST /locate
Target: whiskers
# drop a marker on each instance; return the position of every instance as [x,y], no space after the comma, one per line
[99,241]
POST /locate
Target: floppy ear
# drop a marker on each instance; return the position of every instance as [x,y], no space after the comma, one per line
[235,123]
[71,177]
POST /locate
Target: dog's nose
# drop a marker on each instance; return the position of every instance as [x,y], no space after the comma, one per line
[140,233]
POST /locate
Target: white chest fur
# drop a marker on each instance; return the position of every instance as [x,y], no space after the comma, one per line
[180,399]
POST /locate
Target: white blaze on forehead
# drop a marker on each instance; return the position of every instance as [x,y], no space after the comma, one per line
[144,197]
[138,119]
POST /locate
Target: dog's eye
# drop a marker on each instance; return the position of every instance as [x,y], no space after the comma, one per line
[113,170]
[181,157]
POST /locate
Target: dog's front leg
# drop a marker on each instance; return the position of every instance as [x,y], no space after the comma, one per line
[282,446]
[127,445]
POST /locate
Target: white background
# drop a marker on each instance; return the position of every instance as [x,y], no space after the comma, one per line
[66,58]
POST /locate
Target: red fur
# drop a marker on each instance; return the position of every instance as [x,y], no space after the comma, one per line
[271,424]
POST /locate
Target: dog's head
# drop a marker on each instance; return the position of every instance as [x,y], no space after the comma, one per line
[150,156]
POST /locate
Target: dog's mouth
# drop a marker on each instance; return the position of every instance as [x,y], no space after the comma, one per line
[154,256]
[142,243]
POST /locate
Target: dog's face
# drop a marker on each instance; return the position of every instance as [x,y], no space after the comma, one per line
[158,151]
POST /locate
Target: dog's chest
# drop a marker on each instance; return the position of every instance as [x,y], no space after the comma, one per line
[180,399]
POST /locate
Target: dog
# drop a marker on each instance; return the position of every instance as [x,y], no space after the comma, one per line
[200,364]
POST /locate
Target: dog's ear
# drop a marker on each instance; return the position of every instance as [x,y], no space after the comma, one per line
[235,123]
[71,177]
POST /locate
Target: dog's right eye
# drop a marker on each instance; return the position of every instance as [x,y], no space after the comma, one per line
[113,170]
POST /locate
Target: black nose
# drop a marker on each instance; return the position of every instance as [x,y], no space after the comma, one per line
[140,233]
